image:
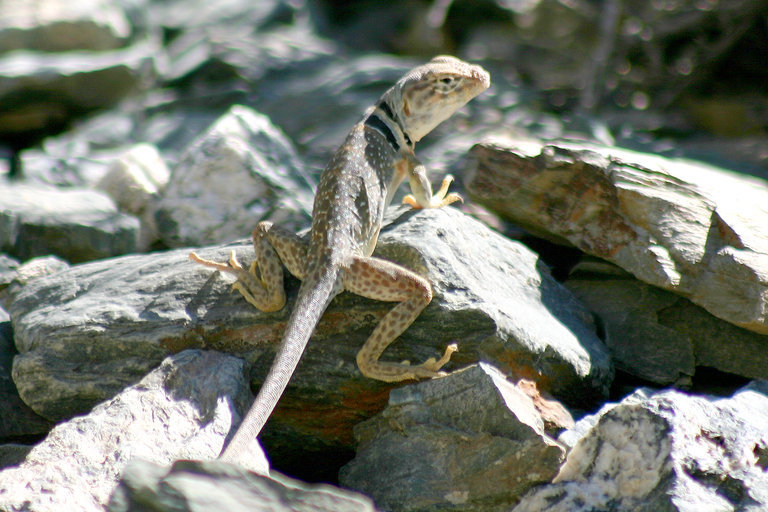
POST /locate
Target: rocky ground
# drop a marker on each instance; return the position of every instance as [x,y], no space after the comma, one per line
[606,279]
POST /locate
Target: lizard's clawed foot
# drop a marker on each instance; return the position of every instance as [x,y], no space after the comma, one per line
[232,266]
[442,198]
[434,365]
[249,284]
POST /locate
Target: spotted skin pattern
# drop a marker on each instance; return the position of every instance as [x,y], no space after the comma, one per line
[354,190]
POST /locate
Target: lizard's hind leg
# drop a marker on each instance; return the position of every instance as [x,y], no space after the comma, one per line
[386,281]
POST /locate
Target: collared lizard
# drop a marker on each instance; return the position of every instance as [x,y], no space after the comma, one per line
[354,190]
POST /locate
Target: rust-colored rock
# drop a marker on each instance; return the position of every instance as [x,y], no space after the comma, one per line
[684,226]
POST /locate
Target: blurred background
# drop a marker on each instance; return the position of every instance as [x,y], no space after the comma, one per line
[82,81]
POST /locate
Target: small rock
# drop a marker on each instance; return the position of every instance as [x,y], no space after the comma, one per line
[16,278]
[8,270]
[555,416]
[183,409]
[669,451]
[17,419]
[134,181]
[199,486]
[136,178]
[469,441]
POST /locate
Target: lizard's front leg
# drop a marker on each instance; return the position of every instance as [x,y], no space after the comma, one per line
[421,190]
[262,284]
[386,281]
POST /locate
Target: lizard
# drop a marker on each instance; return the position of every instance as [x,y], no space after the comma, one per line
[353,191]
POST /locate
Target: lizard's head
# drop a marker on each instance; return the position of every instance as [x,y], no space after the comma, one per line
[431,93]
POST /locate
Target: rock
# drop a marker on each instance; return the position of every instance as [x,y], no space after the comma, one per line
[573,435]
[12,454]
[18,275]
[469,441]
[184,409]
[555,416]
[163,73]
[75,224]
[241,170]
[41,92]
[59,26]
[669,451]
[17,420]
[8,270]
[134,182]
[684,226]
[189,15]
[136,178]
[491,296]
[199,486]
[662,337]
[83,156]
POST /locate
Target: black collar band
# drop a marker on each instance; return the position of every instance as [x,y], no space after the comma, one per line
[384,107]
[375,122]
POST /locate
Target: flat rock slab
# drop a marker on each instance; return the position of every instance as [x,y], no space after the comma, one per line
[54,26]
[40,90]
[684,226]
[75,224]
[85,333]
[183,409]
[667,451]
[210,486]
[469,441]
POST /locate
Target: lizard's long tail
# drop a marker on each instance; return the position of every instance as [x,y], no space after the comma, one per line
[312,300]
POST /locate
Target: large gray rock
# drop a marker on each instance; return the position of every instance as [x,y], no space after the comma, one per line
[75,224]
[184,409]
[242,169]
[214,486]
[684,226]
[469,441]
[667,452]
[492,297]
[662,337]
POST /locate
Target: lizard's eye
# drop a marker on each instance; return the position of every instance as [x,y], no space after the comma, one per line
[448,80]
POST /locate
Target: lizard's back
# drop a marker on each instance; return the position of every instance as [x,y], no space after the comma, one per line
[351,197]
